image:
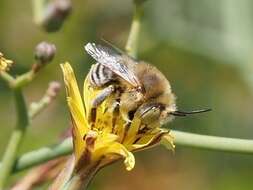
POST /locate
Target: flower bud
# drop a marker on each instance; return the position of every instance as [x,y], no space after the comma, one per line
[44,52]
[55,14]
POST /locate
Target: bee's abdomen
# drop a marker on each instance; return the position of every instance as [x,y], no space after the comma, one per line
[100,75]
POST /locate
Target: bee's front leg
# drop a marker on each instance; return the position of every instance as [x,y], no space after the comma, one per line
[102,96]
[106,92]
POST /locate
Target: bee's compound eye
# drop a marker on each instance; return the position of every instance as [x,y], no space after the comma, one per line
[150,114]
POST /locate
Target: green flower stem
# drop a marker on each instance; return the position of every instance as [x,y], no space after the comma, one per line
[20,81]
[7,77]
[23,79]
[214,143]
[42,155]
[133,38]
[10,154]
[37,107]
[81,179]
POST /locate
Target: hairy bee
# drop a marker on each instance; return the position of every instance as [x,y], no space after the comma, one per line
[143,88]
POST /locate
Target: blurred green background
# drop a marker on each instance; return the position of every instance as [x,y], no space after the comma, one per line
[204,48]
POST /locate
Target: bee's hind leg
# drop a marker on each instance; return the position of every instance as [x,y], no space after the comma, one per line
[102,96]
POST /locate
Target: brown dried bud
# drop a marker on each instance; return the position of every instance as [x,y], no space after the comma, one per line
[44,52]
[55,14]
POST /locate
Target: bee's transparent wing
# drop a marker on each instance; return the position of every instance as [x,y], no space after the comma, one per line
[112,60]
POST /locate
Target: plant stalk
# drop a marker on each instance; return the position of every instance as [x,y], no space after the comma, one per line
[184,139]
[80,180]
[233,145]
[133,38]
[9,157]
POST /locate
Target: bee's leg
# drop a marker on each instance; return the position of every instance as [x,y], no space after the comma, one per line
[99,100]
[102,96]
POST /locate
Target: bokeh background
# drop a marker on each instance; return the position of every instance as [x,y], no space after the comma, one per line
[204,48]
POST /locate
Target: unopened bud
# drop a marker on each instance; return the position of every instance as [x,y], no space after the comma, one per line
[44,52]
[55,14]
[53,89]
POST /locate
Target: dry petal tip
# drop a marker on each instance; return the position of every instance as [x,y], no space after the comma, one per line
[5,64]
[129,162]
[168,142]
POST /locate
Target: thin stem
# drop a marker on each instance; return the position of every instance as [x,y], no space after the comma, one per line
[37,107]
[7,77]
[214,143]
[42,155]
[133,38]
[50,94]
[82,179]
[10,154]
[23,79]
[20,81]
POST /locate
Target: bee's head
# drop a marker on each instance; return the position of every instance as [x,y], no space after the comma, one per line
[166,115]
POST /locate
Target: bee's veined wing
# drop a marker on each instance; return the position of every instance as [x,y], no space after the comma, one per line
[112,60]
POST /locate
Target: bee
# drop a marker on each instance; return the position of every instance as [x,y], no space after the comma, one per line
[144,90]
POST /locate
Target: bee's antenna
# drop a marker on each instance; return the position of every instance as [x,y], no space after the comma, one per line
[185,113]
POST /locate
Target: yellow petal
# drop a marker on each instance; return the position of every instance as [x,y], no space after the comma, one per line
[168,141]
[119,149]
[77,115]
[88,94]
[104,140]
[80,125]
[71,86]
[78,142]
[149,139]
[132,131]
[106,145]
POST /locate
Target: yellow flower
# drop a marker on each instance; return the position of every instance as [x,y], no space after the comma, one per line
[5,64]
[108,137]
